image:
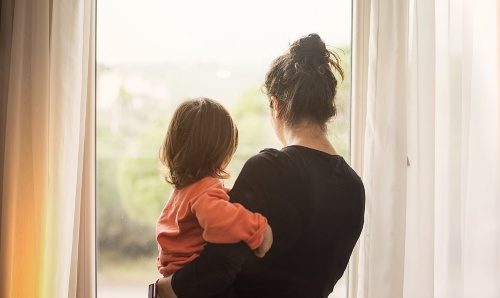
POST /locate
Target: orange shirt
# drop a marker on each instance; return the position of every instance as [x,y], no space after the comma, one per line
[201,213]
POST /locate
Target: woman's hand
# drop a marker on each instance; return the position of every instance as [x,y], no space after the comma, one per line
[266,243]
[165,288]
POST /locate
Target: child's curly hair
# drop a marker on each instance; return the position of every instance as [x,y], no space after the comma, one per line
[200,141]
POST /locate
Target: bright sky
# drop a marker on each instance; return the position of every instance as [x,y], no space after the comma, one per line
[219,31]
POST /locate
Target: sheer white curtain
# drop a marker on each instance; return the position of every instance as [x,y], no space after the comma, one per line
[454,173]
[382,156]
[427,144]
[47,158]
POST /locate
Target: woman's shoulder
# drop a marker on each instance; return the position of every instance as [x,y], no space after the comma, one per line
[268,156]
[269,151]
[267,162]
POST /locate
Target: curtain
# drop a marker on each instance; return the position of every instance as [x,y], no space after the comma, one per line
[47,160]
[427,145]
[384,152]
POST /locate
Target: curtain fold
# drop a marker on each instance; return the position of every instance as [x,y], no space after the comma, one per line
[420,198]
[481,176]
[384,162]
[360,37]
[47,90]
[432,226]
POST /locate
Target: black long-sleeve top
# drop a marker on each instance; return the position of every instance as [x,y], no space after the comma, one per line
[314,203]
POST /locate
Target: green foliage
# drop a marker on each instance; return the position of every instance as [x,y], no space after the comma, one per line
[130,191]
[338,128]
[250,112]
[143,192]
[116,232]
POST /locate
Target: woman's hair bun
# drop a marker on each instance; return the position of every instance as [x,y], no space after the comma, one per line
[307,47]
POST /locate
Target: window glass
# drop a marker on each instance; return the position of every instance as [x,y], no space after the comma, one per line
[151,54]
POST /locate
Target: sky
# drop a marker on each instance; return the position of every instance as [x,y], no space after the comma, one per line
[215,31]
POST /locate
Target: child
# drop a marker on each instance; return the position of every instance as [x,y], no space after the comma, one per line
[200,142]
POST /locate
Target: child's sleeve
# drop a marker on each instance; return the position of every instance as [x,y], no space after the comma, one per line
[224,222]
[161,264]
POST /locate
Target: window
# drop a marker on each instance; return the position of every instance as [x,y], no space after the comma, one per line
[151,55]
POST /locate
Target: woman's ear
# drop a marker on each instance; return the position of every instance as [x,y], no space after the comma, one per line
[275,107]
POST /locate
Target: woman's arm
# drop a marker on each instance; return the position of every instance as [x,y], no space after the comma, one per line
[212,272]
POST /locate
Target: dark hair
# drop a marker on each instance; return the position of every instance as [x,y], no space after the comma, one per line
[200,140]
[302,81]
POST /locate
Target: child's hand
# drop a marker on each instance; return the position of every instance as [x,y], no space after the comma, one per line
[266,243]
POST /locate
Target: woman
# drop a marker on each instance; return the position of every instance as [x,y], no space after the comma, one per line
[311,197]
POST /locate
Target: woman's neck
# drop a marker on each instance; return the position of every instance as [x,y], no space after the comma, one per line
[308,135]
